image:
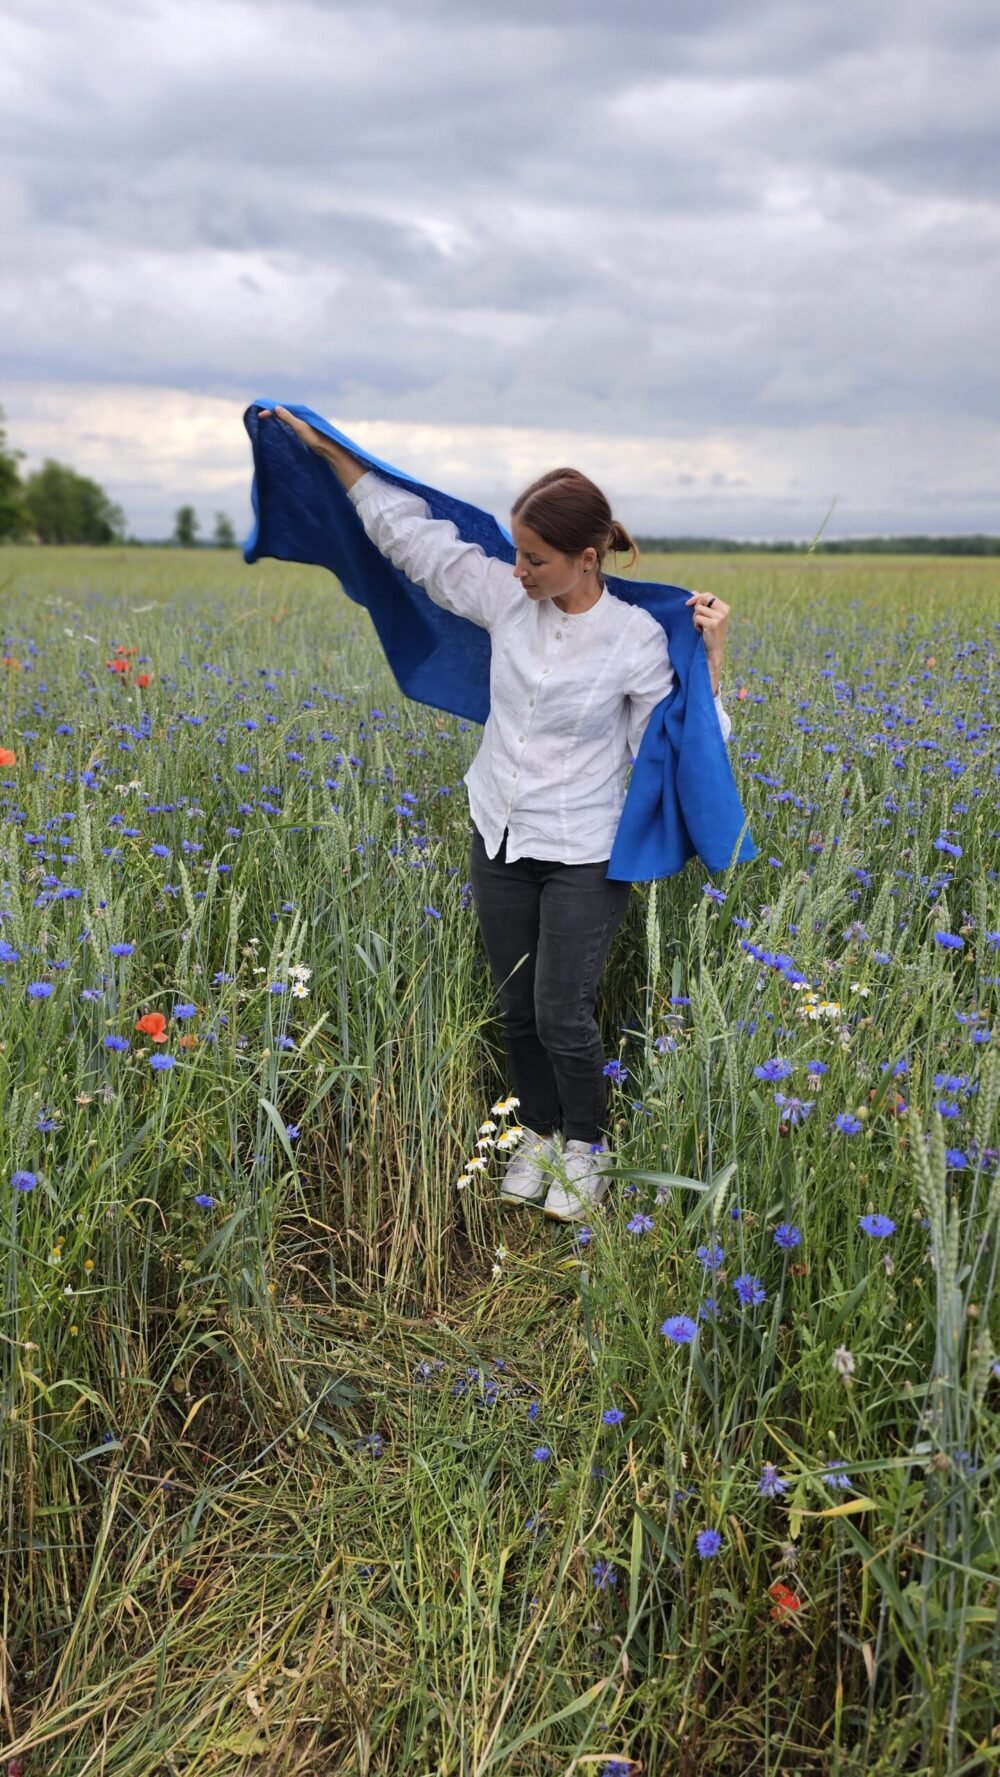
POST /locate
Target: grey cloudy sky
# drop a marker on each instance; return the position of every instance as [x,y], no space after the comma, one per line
[734,261]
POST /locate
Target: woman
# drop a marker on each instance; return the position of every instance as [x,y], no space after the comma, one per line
[575,675]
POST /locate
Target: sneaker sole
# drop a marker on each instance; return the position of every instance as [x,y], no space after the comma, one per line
[575,1215]
[516,1197]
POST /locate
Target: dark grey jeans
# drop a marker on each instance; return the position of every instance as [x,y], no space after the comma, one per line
[561,919]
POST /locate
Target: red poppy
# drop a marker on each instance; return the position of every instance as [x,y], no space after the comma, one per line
[7,757]
[785,1601]
[118,666]
[154,1026]
[142,680]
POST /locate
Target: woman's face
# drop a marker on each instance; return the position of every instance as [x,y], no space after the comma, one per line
[544,572]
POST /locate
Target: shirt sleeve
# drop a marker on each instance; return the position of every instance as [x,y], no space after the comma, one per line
[650,681]
[460,577]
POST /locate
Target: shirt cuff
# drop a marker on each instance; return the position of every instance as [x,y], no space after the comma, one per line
[365,484]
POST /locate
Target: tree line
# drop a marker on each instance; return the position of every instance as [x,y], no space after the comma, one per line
[54,504]
[978,544]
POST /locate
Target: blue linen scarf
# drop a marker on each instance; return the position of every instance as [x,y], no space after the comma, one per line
[682,798]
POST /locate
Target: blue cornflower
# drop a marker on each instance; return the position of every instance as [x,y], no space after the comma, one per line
[708,1309]
[879,1227]
[534,1410]
[847,1123]
[121,949]
[276,987]
[614,1071]
[161,1063]
[604,1574]
[185,1011]
[770,1484]
[432,913]
[617,1767]
[640,1224]
[7,953]
[39,990]
[45,1125]
[708,1543]
[787,1235]
[118,1044]
[680,1328]
[949,941]
[815,1069]
[793,1110]
[584,1235]
[292,1131]
[159,851]
[836,1475]
[749,1290]
[24,1181]
[203,1200]
[955,1160]
[711,1257]
[775,1069]
[713,894]
[993,940]
[541,1453]
[371,1443]
[612,1416]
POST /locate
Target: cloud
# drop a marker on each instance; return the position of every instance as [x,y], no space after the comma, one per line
[708,226]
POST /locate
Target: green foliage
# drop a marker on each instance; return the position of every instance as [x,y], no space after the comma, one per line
[12,515]
[224,536]
[64,507]
[267,1464]
[186,527]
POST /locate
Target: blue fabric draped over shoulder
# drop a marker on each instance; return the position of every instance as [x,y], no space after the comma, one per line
[682,800]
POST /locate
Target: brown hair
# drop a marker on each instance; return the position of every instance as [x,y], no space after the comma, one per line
[571,514]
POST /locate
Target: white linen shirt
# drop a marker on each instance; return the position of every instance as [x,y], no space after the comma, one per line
[570,693]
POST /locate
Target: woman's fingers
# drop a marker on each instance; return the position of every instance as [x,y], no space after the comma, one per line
[302,429]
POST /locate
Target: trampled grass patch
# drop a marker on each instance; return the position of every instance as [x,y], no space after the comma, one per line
[314,1460]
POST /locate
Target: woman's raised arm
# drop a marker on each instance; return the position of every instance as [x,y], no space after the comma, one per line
[458,576]
[347,468]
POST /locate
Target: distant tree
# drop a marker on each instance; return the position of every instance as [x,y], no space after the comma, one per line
[64,507]
[225,536]
[185,526]
[12,516]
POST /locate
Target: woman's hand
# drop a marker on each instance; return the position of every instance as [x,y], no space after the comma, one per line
[711,617]
[348,469]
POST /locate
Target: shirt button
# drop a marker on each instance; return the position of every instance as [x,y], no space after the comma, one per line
[531,703]
[520,737]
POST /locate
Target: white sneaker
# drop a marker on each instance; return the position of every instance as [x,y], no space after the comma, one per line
[584,1186]
[526,1179]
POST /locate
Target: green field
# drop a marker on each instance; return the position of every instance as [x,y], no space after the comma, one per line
[340,1469]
